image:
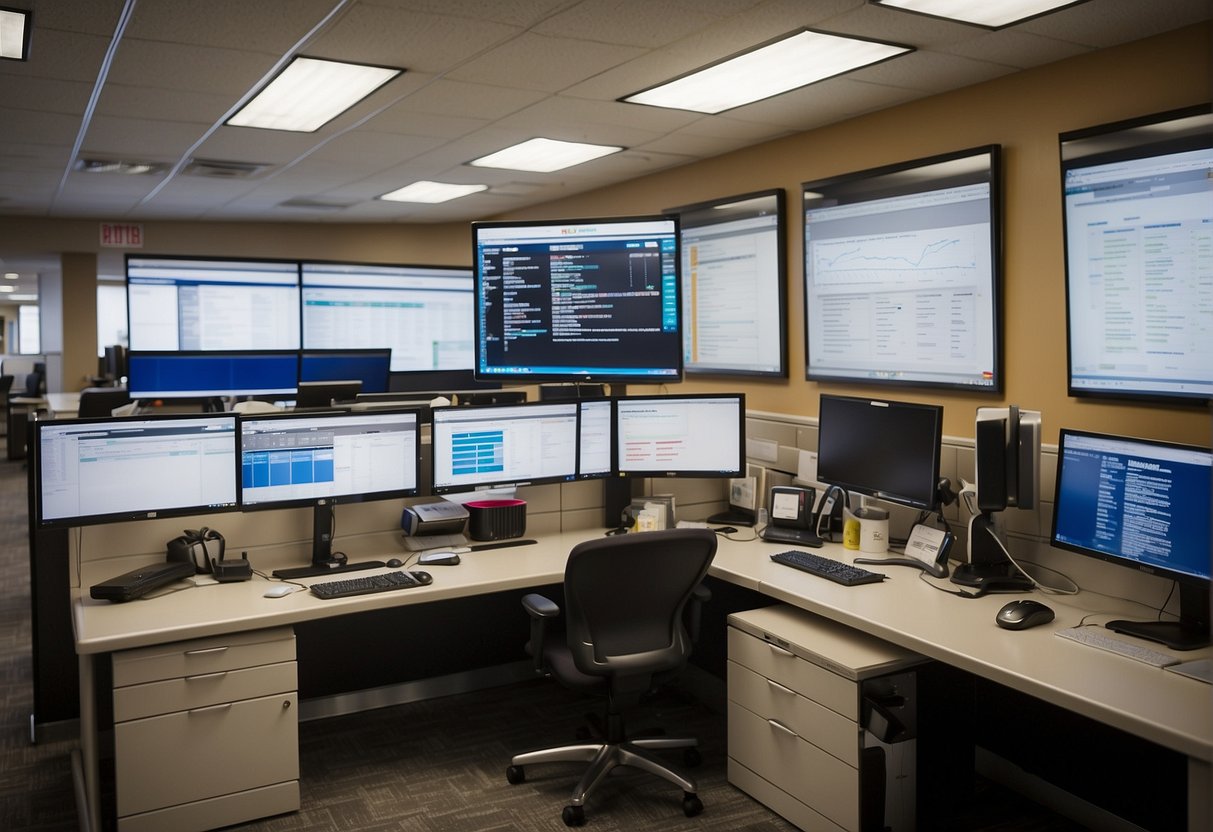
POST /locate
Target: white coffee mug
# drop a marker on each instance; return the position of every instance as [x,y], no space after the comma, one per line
[873,530]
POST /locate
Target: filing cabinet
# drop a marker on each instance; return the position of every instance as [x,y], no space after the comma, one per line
[821,724]
[206,731]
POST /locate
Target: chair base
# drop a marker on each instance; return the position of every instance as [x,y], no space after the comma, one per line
[605,756]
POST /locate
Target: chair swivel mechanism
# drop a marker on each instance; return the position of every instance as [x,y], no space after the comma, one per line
[631,614]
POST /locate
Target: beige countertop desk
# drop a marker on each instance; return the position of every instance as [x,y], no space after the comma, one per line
[1159,706]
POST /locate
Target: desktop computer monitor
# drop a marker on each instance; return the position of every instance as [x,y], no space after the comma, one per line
[369,366]
[177,375]
[321,458]
[697,435]
[90,471]
[1143,505]
[474,447]
[884,449]
[594,438]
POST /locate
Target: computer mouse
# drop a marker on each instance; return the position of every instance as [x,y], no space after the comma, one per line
[1022,614]
[423,578]
[395,563]
[278,590]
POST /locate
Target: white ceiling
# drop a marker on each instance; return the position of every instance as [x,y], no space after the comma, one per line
[154,80]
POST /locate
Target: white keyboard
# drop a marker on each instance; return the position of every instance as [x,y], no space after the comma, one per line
[1104,640]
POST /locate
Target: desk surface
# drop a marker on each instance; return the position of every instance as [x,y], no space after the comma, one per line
[1159,706]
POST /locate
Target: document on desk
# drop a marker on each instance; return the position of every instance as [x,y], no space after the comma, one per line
[1199,669]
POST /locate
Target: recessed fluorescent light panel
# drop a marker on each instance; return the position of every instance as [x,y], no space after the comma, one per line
[992,14]
[311,92]
[544,155]
[432,192]
[14,34]
[793,61]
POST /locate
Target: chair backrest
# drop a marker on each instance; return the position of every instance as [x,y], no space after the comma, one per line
[33,384]
[101,401]
[624,599]
[6,386]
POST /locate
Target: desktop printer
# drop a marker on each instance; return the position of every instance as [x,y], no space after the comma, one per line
[433,524]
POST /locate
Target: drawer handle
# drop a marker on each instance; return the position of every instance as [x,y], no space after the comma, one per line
[220,707]
[204,651]
[780,687]
[779,651]
[202,676]
[774,723]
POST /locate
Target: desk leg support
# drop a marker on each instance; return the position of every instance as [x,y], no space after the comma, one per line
[1200,795]
[90,812]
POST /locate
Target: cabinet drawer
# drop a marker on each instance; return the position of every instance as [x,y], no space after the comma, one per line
[203,655]
[780,756]
[831,732]
[809,680]
[776,798]
[164,697]
[217,812]
[192,755]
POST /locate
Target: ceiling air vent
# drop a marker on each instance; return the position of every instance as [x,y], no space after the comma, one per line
[224,170]
[126,167]
[314,204]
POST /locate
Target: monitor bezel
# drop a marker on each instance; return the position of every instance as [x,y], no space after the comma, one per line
[354,352]
[1116,559]
[610,403]
[625,473]
[1189,140]
[931,503]
[337,499]
[40,425]
[781,277]
[436,416]
[285,393]
[671,373]
[995,179]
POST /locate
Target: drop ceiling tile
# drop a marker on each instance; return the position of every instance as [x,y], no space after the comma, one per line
[123,101]
[30,127]
[131,138]
[523,13]
[400,121]
[47,95]
[459,98]
[931,72]
[536,62]
[191,68]
[1016,48]
[1106,23]
[261,146]
[271,28]
[64,56]
[364,148]
[639,22]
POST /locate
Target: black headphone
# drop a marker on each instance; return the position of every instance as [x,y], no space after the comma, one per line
[188,546]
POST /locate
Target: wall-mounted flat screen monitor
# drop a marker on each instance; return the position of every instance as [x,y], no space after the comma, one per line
[902,273]
[503,445]
[578,300]
[370,366]
[174,375]
[107,470]
[883,449]
[697,435]
[1144,505]
[1138,212]
[324,457]
[423,314]
[734,287]
[594,432]
[184,303]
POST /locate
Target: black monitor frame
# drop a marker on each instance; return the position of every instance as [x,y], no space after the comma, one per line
[127,425]
[234,389]
[727,216]
[365,366]
[609,404]
[623,470]
[652,356]
[940,183]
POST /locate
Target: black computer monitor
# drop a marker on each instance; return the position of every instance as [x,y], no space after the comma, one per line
[578,300]
[203,374]
[902,269]
[734,285]
[1137,199]
[476,447]
[880,448]
[320,459]
[594,438]
[1144,505]
[191,303]
[90,471]
[693,435]
[324,394]
[369,366]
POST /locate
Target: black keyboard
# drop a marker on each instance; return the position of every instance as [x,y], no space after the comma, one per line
[828,568]
[366,584]
[797,537]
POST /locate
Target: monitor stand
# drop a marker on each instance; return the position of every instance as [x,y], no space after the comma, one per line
[732,518]
[323,560]
[1190,632]
[989,569]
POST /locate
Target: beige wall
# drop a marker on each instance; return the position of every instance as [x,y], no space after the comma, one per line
[1023,112]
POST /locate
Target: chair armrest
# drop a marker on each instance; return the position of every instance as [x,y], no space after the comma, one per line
[540,609]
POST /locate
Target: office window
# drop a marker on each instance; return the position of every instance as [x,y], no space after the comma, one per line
[29,332]
[111,316]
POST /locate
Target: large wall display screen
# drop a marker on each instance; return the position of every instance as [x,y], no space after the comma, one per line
[733,286]
[423,313]
[1138,200]
[192,304]
[902,273]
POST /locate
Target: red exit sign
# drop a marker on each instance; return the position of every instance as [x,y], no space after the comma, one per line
[121,235]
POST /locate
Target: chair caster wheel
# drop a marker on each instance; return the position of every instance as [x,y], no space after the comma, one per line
[574,816]
[691,805]
[691,758]
[515,775]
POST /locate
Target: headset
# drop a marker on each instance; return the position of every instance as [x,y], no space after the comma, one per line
[191,547]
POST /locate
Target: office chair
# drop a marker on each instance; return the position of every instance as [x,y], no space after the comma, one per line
[101,401]
[6,388]
[625,598]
